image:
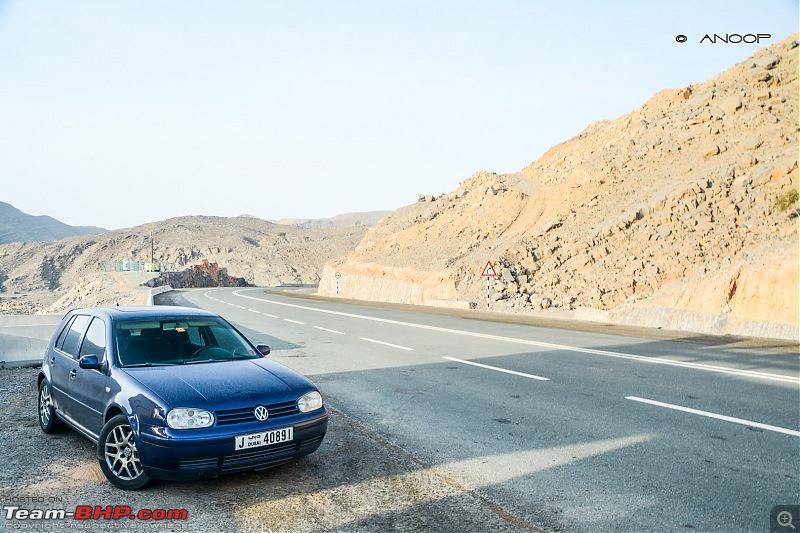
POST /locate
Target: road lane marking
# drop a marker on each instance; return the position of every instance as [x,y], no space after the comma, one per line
[294,321]
[253,311]
[269,315]
[386,344]
[497,369]
[329,330]
[240,307]
[229,303]
[715,415]
[605,353]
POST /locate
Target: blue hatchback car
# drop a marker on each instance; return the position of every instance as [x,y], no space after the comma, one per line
[174,393]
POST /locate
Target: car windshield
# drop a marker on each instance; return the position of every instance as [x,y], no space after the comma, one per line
[178,341]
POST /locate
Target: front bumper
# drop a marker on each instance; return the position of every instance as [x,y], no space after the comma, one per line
[178,455]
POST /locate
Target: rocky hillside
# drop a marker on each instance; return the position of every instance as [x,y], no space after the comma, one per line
[16,226]
[687,203]
[49,276]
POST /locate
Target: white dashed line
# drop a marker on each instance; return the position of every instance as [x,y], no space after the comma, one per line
[718,417]
[240,307]
[497,369]
[386,343]
[254,311]
[269,315]
[294,321]
[329,330]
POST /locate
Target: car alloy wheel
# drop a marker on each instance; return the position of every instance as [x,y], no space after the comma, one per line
[118,455]
[48,420]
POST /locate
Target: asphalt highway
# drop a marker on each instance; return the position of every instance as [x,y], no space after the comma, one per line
[560,430]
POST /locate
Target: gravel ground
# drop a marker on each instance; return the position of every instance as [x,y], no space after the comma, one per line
[355,482]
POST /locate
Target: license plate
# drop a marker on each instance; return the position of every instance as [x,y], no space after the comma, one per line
[255,440]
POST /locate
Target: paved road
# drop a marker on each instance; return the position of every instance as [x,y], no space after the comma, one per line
[564,430]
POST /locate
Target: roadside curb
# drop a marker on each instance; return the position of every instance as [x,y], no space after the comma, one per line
[569,323]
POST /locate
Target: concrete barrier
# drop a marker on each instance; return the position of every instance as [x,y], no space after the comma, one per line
[24,338]
[157,290]
[690,322]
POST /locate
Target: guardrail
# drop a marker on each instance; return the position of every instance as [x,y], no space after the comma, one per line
[157,290]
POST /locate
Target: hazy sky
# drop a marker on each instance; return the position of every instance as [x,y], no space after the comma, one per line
[116,113]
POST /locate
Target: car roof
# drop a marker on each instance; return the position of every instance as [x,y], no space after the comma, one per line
[121,313]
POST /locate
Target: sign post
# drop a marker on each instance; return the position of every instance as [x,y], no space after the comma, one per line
[338,276]
[488,272]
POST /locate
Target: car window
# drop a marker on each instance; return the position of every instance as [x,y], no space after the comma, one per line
[73,337]
[179,340]
[226,338]
[94,343]
[62,337]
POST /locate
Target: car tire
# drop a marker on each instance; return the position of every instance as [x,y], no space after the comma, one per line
[48,420]
[118,455]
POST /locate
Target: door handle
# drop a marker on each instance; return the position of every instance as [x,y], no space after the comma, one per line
[73,373]
[52,360]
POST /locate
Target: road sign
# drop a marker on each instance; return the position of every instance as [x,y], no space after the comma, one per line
[338,275]
[488,270]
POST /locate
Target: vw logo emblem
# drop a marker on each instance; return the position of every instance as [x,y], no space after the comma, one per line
[261,413]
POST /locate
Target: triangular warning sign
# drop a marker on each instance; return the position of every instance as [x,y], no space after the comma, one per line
[488,270]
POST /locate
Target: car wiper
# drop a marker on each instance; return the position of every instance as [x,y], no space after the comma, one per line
[206,361]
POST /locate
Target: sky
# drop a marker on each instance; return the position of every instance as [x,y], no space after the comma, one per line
[114,114]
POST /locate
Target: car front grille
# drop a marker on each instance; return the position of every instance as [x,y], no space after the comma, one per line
[252,459]
[239,416]
[200,462]
[263,456]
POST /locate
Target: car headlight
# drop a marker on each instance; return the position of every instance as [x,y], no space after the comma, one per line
[310,402]
[189,418]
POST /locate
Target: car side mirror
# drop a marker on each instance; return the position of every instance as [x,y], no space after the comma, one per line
[263,349]
[90,362]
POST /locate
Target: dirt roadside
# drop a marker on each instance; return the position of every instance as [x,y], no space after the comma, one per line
[354,482]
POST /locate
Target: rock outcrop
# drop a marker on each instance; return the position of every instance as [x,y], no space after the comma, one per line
[688,203]
[198,276]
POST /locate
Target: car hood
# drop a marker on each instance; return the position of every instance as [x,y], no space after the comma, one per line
[222,384]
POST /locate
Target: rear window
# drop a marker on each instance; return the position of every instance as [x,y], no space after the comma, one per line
[72,339]
[63,335]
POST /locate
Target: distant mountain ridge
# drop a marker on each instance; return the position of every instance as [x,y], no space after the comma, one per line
[367,218]
[17,226]
[71,272]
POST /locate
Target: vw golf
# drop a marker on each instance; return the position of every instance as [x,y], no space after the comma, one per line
[174,393]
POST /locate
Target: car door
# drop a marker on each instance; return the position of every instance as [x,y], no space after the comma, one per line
[63,363]
[87,387]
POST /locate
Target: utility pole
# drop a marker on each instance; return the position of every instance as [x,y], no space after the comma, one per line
[152,249]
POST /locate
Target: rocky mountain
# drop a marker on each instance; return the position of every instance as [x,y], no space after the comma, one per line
[53,276]
[687,204]
[16,226]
